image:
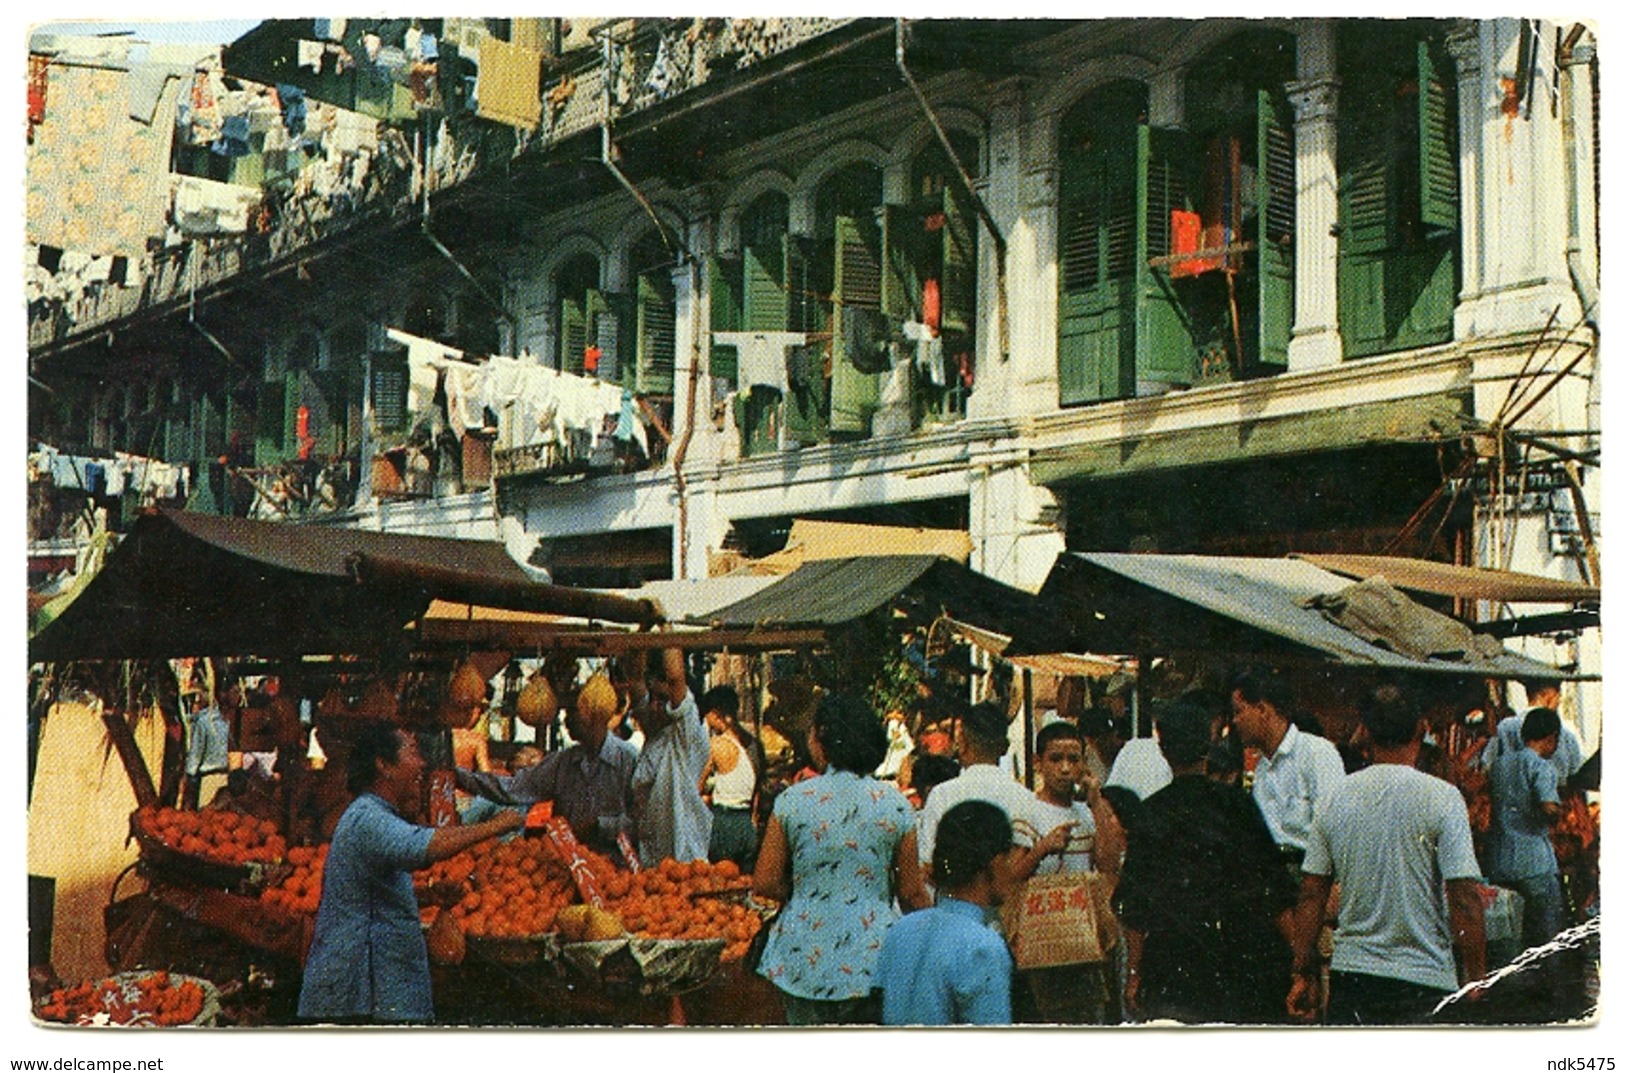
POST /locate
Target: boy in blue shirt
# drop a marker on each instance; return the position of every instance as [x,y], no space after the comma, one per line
[945,965]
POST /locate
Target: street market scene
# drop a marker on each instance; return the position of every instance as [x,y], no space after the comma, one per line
[818,522]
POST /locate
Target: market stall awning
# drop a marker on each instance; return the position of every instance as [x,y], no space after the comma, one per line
[832,591]
[182,584]
[1466,582]
[1223,607]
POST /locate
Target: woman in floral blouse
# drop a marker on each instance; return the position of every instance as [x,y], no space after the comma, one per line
[840,852]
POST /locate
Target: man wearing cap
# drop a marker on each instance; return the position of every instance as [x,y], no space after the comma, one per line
[589,783]
[1295,770]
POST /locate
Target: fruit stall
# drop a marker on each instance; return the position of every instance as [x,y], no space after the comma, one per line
[537,929]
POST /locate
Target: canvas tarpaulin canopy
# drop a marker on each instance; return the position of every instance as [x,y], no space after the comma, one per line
[1249,608]
[182,584]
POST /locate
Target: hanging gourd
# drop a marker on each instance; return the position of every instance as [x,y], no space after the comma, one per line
[537,704]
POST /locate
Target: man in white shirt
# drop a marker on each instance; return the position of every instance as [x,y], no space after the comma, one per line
[1295,770]
[671,818]
[984,737]
[1410,926]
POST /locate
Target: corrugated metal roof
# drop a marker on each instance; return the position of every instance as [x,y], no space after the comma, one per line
[1217,605]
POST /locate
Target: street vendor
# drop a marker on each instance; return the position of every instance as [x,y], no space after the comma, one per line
[368,961]
[671,817]
[589,783]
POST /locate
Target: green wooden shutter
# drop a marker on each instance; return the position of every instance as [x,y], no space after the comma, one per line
[726,315]
[853,389]
[1098,229]
[1438,157]
[805,314]
[1165,350]
[1397,248]
[389,392]
[1365,156]
[1276,180]
[271,424]
[958,262]
[765,302]
[805,411]
[604,317]
[901,271]
[656,333]
[572,334]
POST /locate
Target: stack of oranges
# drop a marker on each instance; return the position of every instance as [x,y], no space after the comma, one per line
[668,902]
[153,998]
[300,890]
[514,890]
[216,835]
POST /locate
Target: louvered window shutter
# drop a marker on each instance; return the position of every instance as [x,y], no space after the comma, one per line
[656,333]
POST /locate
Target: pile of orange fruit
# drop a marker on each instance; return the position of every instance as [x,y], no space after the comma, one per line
[300,890]
[669,902]
[152,999]
[217,835]
[513,889]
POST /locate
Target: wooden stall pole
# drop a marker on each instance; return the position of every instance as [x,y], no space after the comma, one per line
[1027,721]
[129,753]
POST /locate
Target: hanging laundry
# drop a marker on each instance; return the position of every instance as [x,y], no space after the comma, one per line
[294,109]
[309,55]
[464,392]
[205,207]
[931,305]
[206,120]
[508,89]
[422,383]
[39,77]
[330,29]
[233,140]
[146,88]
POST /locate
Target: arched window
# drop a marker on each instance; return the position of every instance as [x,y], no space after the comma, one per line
[1398,270]
[752,293]
[578,341]
[844,274]
[653,321]
[1175,243]
[930,277]
[1098,147]
[1231,310]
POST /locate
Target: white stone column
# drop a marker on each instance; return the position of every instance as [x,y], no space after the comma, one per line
[1316,339]
[1026,174]
[1514,186]
[1015,526]
[1005,384]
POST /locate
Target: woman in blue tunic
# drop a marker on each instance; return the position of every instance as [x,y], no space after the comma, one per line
[368,961]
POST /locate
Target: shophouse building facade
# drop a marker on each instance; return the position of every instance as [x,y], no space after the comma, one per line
[1219,286]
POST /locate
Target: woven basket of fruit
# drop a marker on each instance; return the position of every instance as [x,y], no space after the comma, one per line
[137,999]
